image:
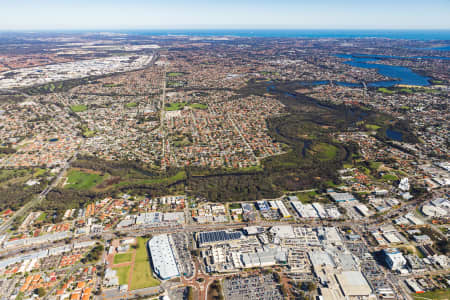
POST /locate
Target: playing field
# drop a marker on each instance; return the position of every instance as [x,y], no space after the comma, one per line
[372,127]
[131,104]
[174,106]
[142,274]
[198,106]
[81,180]
[390,177]
[122,274]
[78,108]
[122,258]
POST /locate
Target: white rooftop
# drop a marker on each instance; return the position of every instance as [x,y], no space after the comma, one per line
[353,283]
[163,260]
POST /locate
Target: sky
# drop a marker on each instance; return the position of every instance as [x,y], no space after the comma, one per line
[226,14]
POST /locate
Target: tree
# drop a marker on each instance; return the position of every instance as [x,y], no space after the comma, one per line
[41,292]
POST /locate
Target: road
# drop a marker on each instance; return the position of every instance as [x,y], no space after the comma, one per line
[162,117]
[201,287]
[38,199]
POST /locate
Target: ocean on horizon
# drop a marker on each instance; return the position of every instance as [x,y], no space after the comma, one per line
[301,33]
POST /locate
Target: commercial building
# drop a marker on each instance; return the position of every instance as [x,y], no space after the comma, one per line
[353,284]
[341,197]
[394,258]
[214,237]
[163,259]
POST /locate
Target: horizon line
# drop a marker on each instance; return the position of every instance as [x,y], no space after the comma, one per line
[221,28]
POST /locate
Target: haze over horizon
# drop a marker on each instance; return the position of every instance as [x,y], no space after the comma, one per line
[232,14]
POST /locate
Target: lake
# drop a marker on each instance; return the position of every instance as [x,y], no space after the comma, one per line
[394,135]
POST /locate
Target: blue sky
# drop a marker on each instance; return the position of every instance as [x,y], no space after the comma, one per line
[191,14]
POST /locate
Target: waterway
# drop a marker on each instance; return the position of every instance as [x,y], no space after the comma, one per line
[399,75]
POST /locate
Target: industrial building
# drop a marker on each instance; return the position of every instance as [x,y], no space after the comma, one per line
[163,258]
[341,197]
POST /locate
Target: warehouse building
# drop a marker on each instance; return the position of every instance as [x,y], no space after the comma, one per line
[353,284]
[163,259]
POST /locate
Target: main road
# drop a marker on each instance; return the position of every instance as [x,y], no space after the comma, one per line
[37,199]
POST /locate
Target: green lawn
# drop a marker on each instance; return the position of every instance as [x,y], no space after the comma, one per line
[41,217]
[78,108]
[198,106]
[390,177]
[111,84]
[122,257]
[307,197]
[173,74]
[131,104]
[82,181]
[38,172]
[443,294]
[372,127]
[174,106]
[385,91]
[142,275]
[122,274]
[325,151]
[406,90]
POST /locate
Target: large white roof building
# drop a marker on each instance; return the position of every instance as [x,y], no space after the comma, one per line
[163,259]
[394,258]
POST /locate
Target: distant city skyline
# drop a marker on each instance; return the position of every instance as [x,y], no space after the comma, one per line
[231,14]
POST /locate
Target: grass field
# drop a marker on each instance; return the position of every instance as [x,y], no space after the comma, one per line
[198,106]
[38,172]
[41,217]
[443,294]
[325,151]
[78,108]
[175,106]
[142,275]
[82,181]
[372,127]
[131,104]
[307,197]
[385,91]
[390,177]
[173,74]
[111,84]
[122,274]
[122,257]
